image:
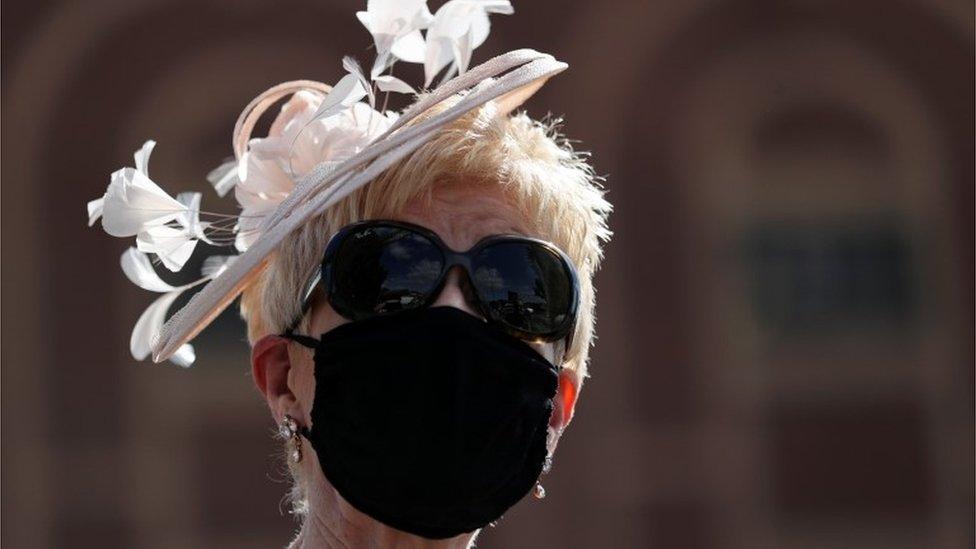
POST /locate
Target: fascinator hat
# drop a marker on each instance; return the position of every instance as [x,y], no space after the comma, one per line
[337,140]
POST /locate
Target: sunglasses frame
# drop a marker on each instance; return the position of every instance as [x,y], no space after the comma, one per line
[323,275]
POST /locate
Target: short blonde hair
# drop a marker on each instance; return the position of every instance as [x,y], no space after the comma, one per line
[555,187]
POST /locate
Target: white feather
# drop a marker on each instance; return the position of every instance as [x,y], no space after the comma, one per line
[224,177]
[389,83]
[95,210]
[171,245]
[149,324]
[142,156]
[139,270]
[134,202]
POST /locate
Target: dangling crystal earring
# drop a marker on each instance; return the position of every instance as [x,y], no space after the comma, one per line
[289,429]
[540,491]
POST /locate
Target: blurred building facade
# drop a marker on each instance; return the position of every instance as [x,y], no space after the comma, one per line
[785,352]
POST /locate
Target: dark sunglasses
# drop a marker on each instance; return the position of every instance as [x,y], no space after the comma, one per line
[525,286]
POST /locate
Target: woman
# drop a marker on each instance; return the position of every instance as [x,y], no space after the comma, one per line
[417,287]
[482,176]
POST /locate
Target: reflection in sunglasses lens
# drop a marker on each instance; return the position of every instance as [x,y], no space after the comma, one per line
[523,285]
[384,270]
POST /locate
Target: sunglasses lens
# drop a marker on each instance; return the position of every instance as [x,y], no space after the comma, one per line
[525,286]
[380,270]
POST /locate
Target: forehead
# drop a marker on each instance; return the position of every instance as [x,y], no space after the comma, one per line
[462,214]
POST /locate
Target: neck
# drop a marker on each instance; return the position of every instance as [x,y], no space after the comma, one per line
[332,523]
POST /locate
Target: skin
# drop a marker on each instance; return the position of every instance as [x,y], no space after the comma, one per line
[284,372]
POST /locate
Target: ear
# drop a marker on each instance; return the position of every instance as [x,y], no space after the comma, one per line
[563,405]
[565,400]
[270,366]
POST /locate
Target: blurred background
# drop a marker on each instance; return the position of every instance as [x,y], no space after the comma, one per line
[786,322]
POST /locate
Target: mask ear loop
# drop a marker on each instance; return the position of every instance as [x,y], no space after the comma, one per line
[303,340]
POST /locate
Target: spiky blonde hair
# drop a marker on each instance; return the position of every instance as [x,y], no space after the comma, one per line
[555,187]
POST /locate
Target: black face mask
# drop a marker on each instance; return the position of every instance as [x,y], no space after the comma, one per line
[431,420]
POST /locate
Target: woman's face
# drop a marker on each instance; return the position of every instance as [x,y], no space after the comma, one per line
[461,215]
[285,373]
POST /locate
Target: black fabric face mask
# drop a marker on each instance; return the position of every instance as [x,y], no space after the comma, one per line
[430,421]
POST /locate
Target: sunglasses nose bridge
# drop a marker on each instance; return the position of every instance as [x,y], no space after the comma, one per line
[456,287]
[455,261]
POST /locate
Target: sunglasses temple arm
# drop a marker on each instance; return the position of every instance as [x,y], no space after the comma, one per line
[309,288]
[306,302]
